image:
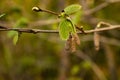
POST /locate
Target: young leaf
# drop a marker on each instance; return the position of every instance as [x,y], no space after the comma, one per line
[72,9]
[15,38]
[72,26]
[77,17]
[66,27]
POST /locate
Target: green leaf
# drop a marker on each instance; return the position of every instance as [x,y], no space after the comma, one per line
[72,9]
[77,17]
[65,28]
[15,38]
[72,26]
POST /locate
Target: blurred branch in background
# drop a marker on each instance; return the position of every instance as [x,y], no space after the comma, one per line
[87,12]
[97,8]
[44,22]
[64,65]
[94,67]
[111,62]
[103,39]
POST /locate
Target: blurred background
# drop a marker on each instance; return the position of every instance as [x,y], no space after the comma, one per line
[42,57]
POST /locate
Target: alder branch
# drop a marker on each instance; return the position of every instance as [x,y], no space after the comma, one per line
[28,30]
[103,29]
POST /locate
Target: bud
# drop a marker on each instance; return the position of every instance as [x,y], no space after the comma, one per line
[36,9]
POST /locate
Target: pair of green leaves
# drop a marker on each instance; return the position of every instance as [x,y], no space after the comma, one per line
[66,26]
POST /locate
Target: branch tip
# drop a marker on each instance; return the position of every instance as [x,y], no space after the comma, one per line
[36,9]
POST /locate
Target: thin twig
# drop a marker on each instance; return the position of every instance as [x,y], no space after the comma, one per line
[28,30]
[37,9]
[103,29]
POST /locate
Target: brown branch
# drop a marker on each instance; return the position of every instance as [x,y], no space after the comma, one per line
[104,29]
[28,30]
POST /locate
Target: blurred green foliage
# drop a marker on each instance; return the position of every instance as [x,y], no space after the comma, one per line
[38,56]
